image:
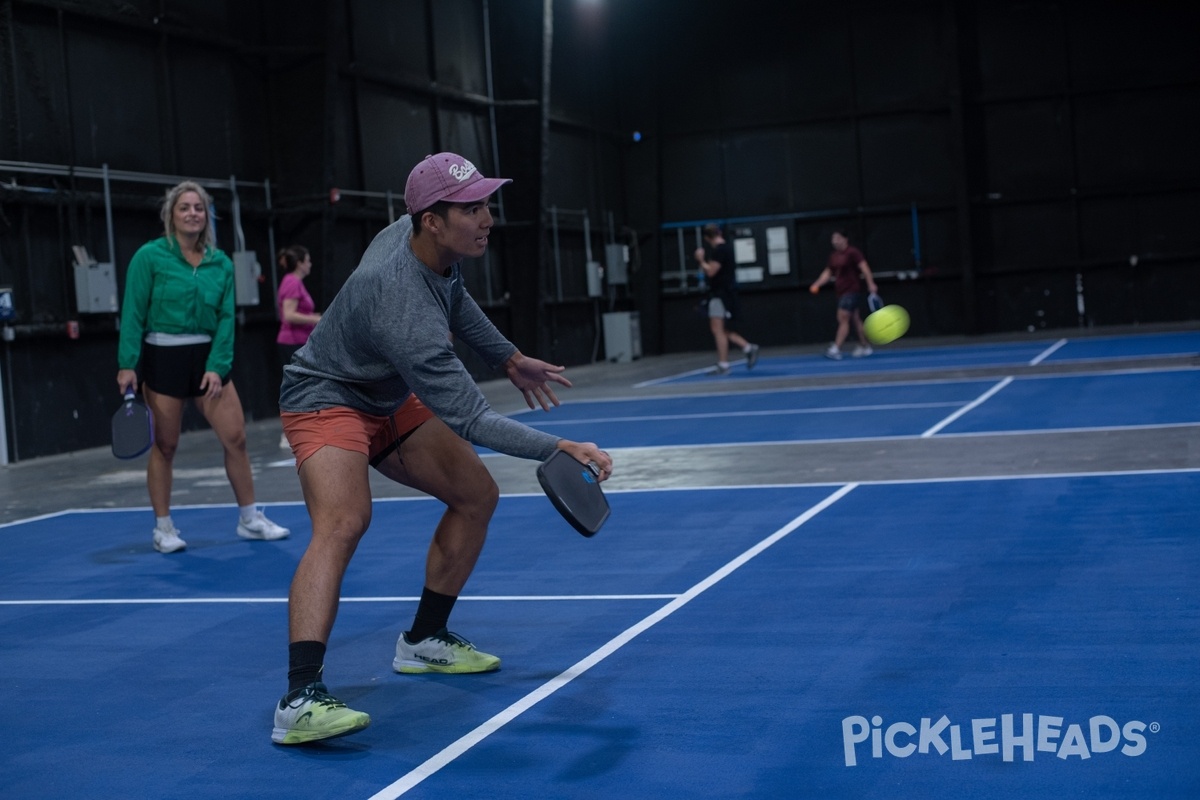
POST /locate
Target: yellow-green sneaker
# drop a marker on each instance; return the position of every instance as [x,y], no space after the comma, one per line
[311,714]
[442,652]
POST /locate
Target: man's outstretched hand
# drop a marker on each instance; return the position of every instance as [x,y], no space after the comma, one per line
[533,377]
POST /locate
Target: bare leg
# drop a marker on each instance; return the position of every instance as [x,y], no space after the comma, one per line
[858,329]
[843,327]
[338,495]
[717,325]
[224,413]
[436,461]
[168,418]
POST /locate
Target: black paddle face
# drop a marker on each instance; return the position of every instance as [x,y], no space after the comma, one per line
[132,429]
[574,491]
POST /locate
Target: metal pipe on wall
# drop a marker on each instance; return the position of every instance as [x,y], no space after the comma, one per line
[108,220]
[491,96]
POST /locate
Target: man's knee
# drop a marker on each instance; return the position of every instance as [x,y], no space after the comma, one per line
[343,525]
[479,493]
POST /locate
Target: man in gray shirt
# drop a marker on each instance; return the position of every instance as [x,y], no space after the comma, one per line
[349,400]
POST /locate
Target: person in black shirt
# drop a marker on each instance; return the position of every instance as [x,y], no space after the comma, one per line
[716,260]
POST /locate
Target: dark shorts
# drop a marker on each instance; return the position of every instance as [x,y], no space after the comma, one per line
[849,302]
[176,370]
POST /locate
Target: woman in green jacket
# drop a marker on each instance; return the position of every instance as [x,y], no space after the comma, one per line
[178,322]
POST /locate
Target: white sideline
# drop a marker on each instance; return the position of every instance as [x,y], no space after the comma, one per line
[465,743]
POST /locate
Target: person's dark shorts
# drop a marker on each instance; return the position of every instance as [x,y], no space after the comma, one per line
[849,302]
[176,370]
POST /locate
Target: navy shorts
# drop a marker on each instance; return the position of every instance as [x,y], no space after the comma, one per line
[176,370]
[848,302]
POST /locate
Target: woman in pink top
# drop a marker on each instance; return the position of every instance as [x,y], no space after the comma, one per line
[296,315]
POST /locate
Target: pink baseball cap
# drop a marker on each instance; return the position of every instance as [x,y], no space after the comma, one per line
[447,176]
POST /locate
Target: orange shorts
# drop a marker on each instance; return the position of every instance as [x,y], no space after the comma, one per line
[350,429]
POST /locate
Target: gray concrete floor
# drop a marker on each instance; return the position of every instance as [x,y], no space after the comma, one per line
[94,479]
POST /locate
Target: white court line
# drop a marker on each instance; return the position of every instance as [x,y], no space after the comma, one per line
[465,743]
[1045,353]
[131,601]
[978,401]
[38,518]
[764,413]
[895,368]
[866,384]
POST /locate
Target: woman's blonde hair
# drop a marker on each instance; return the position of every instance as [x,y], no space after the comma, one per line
[208,238]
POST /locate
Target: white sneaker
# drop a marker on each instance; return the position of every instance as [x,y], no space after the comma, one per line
[168,541]
[834,353]
[261,528]
[862,351]
[311,714]
[442,652]
[284,444]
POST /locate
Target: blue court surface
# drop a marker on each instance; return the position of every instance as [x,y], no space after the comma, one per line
[1054,402]
[902,359]
[1003,638]
[977,636]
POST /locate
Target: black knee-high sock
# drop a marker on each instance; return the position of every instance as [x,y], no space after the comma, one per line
[305,662]
[433,612]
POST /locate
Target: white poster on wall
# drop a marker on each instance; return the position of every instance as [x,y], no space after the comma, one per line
[779,261]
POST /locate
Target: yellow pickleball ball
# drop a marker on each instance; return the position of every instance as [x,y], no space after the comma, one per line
[886,325]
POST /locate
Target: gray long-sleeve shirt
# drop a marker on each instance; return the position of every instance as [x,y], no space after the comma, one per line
[387,333]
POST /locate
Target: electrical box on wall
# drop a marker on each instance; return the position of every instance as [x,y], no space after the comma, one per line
[246,272]
[95,288]
[616,257]
[622,336]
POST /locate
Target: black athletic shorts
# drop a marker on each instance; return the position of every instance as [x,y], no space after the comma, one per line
[176,370]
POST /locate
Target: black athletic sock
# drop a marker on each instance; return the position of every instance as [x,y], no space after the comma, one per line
[305,662]
[433,612]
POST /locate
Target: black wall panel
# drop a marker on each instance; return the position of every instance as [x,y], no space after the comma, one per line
[758,170]
[900,55]
[463,131]
[571,181]
[459,45]
[128,127]
[1026,237]
[1121,43]
[219,116]
[1020,49]
[35,114]
[395,133]
[1027,149]
[823,168]
[1145,139]
[693,179]
[1029,302]
[583,63]
[390,36]
[905,158]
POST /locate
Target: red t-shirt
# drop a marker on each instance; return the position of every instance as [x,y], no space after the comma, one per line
[844,266]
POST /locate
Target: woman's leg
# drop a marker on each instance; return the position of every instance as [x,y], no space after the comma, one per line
[168,417]
[224,413]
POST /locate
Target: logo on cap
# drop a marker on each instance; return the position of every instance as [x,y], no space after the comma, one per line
[460,172]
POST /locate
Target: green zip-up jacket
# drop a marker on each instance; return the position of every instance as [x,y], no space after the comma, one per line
[166,294]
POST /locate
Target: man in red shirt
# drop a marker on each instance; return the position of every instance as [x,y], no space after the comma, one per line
[848,268]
